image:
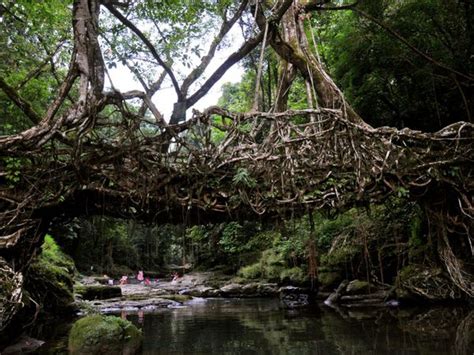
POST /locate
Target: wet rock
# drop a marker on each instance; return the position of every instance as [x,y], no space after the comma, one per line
[110,306]
[254,289]
[268,289]
[211,292]
[251,289]
[98,292]
[201,291]
[336,295]
[294,297]
[357,287]
[23,346]
[99,334]
[231,290]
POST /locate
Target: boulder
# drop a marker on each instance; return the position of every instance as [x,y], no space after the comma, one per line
[357,287]
[268,289]
[98,292]
[99,334]
[24,345]
[294,297]
[231,290]
[201,291]
[251,289]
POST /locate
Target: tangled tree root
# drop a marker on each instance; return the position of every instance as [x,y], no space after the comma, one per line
[10,293]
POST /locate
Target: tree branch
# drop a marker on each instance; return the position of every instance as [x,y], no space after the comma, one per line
[412,47]
[245,49]
[22,104]
[225,28]
[149,45]
[320,5]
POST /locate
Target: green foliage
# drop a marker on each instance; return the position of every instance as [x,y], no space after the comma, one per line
[385,81]
[243,179]
[250,272]
[272,264]
[238,97]
[341,256]
[329,279]
[30,32]
[232,240]
[293,275]
[12,170]
[402,192]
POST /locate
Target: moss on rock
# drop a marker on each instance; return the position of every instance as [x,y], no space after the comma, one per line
[50,278]
[357,286]
[99,334]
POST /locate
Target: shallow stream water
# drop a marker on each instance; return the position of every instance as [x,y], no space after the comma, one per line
[261,326]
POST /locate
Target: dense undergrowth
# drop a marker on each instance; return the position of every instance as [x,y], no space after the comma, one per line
[371,243]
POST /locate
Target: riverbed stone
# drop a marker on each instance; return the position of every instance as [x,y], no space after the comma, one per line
[231,289]
[99,334]
[251,289]
[357,286]
[294,297]
[98,292]
[268,289]
[24,345]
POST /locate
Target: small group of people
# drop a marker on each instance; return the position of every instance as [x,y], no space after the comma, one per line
[140,277]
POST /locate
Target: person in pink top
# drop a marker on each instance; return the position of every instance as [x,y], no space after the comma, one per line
[140,276]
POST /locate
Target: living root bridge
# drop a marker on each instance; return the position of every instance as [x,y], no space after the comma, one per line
[236,165]
[96,154]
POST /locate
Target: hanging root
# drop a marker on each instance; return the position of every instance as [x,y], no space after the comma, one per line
[10,293]
[464,334]
[462,279]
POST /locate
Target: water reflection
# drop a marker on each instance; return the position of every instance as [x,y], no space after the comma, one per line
[260,326]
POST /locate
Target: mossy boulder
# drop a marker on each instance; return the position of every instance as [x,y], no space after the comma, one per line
[50,278]
[98,292]
[357,287]
[99,334]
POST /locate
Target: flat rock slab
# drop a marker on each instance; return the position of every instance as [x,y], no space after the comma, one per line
[117,305]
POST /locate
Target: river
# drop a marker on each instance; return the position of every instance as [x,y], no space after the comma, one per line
[260,326]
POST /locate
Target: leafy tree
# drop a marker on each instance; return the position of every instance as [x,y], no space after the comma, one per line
[387,81]
[80,147]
